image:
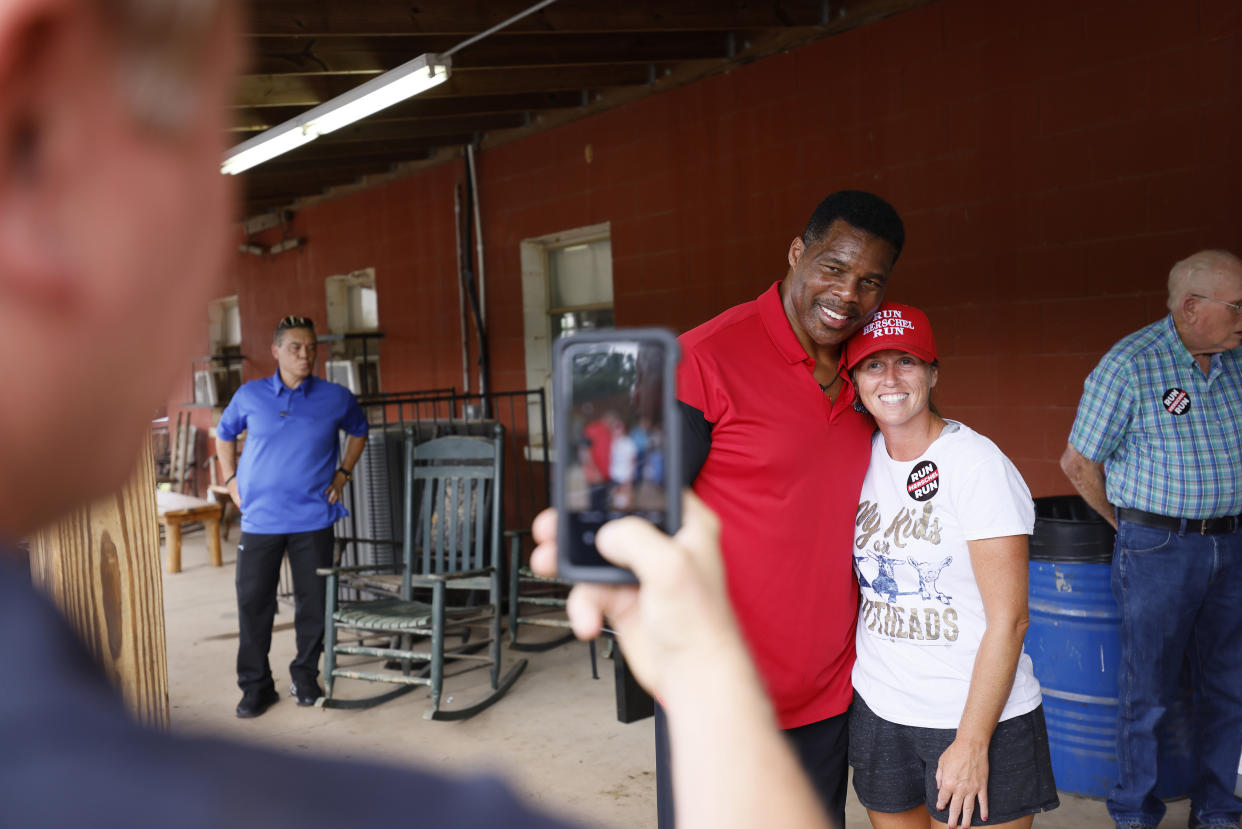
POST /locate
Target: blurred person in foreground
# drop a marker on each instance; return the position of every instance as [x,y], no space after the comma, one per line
[114,221]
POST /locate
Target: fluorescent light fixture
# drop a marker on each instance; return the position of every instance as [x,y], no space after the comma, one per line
[265,147]
[381,92]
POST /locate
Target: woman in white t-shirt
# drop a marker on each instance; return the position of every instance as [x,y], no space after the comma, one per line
[946,724]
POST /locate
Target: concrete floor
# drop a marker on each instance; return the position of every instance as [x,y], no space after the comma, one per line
[554,736]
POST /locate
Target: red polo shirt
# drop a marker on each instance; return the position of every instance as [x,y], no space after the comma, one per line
[783,473]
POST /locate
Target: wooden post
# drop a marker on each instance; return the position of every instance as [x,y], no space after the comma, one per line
[101,566]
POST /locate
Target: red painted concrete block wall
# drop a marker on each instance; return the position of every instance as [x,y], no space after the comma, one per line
[1051,161]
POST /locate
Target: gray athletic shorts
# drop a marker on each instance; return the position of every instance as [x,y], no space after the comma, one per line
[895,766]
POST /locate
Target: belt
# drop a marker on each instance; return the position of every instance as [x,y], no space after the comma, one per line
[1202,526]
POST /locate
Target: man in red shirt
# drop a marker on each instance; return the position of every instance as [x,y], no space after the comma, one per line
[598,436]
[776,446]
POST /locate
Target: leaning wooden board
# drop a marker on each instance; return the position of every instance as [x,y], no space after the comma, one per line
[101,565]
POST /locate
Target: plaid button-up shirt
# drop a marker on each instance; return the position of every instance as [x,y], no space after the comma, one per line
[1170,438]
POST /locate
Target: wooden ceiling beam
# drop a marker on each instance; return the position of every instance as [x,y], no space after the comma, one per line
[454,17]
[404,129]
[309,91]
[372,55]
[396,151]
[341,171]
[257,120]
[340,157]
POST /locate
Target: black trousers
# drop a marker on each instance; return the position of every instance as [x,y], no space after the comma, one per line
[822,749]
[258,575]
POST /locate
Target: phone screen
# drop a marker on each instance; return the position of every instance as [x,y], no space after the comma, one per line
[616,463]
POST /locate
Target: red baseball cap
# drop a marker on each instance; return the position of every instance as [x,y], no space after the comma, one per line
[895,326]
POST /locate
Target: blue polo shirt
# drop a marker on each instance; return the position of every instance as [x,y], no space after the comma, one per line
[291,452]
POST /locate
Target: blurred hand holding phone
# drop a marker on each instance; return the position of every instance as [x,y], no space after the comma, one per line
[618,453]
[617,441]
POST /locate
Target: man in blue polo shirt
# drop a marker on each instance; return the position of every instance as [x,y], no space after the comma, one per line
[1156,449]
[288,487]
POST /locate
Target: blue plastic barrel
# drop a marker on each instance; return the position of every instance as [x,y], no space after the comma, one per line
[1074,644]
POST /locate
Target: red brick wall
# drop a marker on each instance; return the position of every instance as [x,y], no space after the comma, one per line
[1051,161]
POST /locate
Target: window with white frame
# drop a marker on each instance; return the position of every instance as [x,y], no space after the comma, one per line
[566,287]
[353,313]
[217,377]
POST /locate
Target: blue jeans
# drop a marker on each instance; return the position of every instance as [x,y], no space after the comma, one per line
[1180,597]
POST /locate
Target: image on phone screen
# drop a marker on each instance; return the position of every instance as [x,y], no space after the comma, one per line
[616,464]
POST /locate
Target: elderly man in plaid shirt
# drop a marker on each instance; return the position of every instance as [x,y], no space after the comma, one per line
[1156,449]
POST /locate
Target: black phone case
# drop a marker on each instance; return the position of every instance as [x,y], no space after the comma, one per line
[562,401]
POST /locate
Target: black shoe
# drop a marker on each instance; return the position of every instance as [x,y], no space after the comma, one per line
[306,692]
[254,703]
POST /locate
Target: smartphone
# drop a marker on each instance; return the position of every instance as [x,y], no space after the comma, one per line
[617,441]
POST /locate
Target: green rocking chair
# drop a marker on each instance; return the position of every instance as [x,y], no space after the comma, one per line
[451,549]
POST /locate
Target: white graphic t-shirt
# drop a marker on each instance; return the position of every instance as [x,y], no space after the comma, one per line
[920,618]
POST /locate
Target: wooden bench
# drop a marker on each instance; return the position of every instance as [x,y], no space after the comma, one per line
[175,509]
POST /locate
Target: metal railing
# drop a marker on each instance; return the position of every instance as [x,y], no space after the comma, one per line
[435,413]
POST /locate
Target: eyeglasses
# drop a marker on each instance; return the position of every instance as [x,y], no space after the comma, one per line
[1232,306]
[295,322]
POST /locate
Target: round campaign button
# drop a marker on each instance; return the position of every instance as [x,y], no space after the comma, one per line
[924,481]
[1176,401]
